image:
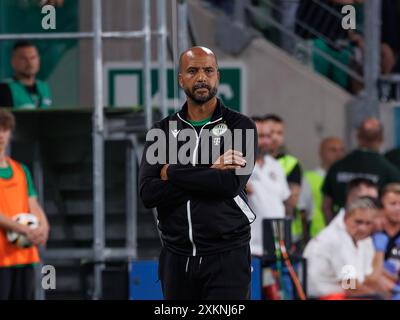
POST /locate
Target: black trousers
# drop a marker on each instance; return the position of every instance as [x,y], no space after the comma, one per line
[222,276]
[17,283]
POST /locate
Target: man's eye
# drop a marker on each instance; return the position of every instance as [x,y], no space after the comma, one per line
[192,71]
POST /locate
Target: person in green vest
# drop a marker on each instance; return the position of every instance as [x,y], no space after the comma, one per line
[331,149]
[292,168]
[24,90]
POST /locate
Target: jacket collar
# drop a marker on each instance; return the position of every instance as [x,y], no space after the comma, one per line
[216,115]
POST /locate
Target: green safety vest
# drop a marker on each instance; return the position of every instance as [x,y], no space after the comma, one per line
[318,219]
[288,163]
[22,99]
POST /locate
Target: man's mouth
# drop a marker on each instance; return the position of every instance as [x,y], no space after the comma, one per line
[201,87]
[202,90]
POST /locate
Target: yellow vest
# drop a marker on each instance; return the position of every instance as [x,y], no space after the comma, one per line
[318,219]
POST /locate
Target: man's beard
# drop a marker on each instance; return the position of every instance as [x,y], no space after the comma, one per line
[26,74]
[262,152]
[201,99]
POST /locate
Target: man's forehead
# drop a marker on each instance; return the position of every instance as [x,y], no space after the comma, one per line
[333,144]
[26,51]
[199,61]
[364,214]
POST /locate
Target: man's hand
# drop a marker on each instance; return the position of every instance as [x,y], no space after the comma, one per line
[163,173]
[37,236]
[231,159]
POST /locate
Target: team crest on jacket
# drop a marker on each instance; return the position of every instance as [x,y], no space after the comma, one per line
[219,129]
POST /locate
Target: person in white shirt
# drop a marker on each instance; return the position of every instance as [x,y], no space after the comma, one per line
[340,258]
[267,189]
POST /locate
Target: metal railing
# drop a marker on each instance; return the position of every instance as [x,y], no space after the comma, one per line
[302,48]
[99,253]
[272,15]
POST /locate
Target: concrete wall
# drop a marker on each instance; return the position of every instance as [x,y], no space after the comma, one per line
[311,107]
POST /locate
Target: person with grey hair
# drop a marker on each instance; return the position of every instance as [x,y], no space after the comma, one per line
[340,259]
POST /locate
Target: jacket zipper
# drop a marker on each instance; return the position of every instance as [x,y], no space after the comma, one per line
[189,214]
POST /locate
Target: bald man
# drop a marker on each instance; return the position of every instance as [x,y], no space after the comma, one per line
[331,149]
[364,162]
[196,177]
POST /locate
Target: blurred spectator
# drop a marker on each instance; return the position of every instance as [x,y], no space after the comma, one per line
[364,162]
[267,188]
[289,163]
[340,258]
[390,41]
[390,37]
[283,11]
[361,187]
[310,200]
[292,168]
[320,21]
[228,6]
[288,20]
[388,239]
[24,90]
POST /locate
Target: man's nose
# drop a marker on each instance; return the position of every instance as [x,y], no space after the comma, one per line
[364,228]
[201,77]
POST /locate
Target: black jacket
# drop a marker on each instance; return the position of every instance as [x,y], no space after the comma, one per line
[201,210]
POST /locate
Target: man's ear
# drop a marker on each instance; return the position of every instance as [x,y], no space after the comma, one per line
[180,80]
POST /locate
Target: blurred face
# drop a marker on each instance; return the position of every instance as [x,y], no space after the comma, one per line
[5,135]
[276,141]
[391,207]
[359,224]
[370,134]
[363,191]
[331,151]
[264,137]
[26,62]
[199,75]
